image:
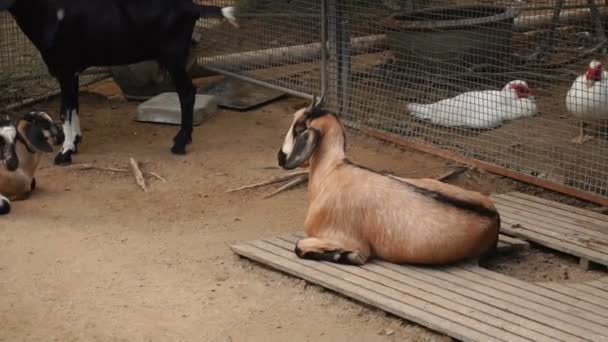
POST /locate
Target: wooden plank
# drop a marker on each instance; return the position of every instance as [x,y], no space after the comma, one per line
[565,313]
[493,308]
[524,212]
[590,289]
[565,211]
[548,315]
[545,291]
[415,311]
[512,225]
[513,241]
[568,322]
[432,294]
[515,227]
[581,295]
[557,244]
[522,286]
[578,220]
[558,205]
[599,284]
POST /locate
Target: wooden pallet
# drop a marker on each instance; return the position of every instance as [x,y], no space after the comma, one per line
[595,291]
[464,301]
[565,228]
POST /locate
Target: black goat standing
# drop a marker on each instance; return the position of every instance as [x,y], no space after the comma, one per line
[73,35]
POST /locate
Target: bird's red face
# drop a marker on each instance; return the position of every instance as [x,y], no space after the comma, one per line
[522,91]
[594,74]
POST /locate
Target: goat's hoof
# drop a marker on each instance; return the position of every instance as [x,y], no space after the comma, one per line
[77,142]
[5,206]
[64,158]
[179,150]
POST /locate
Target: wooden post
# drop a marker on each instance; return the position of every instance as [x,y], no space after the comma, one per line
[338,66]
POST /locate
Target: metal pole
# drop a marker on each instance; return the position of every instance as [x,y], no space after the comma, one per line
[260,83]
[323,51]
[339,63]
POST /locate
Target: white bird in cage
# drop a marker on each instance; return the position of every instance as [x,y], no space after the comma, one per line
[587,98]
[480,109]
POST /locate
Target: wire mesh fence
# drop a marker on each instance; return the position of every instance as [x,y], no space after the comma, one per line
[437,71]
[24,77]
[442,72]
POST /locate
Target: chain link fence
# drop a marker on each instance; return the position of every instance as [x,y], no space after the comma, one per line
[388,59]
[24,78]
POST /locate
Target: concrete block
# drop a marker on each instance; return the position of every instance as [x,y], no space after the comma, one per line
[165,108]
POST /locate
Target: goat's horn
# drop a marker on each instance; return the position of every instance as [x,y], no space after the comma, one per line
[312,104]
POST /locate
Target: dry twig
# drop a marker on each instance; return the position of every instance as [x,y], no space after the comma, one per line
[295,182]
[299,177]
[270,181]
[455,171]
[139,177]
[86,167]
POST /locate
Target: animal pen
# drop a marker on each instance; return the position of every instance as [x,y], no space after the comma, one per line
[383,55]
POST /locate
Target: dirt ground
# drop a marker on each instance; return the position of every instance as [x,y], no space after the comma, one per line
[90,257]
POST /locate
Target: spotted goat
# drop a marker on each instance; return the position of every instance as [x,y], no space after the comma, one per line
[356,213]
[73,35]
[22,144]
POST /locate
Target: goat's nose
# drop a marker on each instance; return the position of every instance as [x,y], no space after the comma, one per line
[282,158]
[59,138]
[12,164]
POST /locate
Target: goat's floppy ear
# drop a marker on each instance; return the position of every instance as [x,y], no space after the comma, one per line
[6,4]
[306,143]
[36,137]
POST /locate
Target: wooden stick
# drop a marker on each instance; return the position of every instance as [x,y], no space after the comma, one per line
[451,173]
[270,181]
[139,178]
[290,185]
[86,167]
[155,176]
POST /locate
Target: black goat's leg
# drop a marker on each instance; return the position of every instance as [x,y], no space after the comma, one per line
[75,116]
[186,92]
[69,118]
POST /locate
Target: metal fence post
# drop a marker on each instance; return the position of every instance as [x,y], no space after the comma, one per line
[339,59]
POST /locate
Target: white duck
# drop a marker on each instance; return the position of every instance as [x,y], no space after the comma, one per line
[587,98]
[480,109]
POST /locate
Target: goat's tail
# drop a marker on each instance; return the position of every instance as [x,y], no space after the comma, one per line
[5,205]
[205,11]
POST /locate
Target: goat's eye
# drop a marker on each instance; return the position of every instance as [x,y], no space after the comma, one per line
[300,128]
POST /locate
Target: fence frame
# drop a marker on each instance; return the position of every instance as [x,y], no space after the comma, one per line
[336,50]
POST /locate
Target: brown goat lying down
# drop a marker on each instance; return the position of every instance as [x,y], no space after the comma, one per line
[34,133]
[355,213]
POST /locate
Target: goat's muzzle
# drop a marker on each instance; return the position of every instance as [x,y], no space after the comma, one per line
[282,157]
[11,161]
[57,133]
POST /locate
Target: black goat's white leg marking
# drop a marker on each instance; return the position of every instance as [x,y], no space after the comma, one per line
[75,125]
[69,118]
[71,130]
[5,205]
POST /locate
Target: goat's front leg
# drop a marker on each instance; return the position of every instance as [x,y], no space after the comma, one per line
[332,250]
[186,92]
[69,119]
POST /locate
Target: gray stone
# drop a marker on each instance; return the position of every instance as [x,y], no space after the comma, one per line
[165,108]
